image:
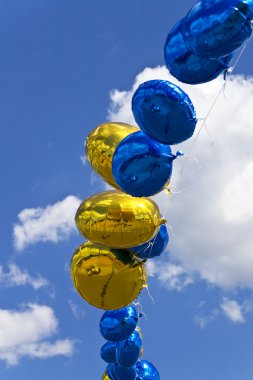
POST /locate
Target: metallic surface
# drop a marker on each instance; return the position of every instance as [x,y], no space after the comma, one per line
[105,376]
[100,147]
[154,247]
[128,351]
[108,352]
[118,220]
[116,372]
[164,112]
[146,371]
[142,166]
[107,278]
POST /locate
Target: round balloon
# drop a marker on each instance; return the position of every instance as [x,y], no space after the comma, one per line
[118,220]
[185,65]
[107,278]
[108,352]
[164,112]
[154,247]
[141,166]
[100,147]
[146,371]
[128,351]
[117,325]
[105,376]
[116,372]
[215,29]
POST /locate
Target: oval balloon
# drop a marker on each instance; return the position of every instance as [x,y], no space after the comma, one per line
[100,147]
[105,376]
[117,220]
[116,372]
[146,371]
[164,112]
[128,351]
[154,247]
[117,325]
[107,278]
[108,352]
[141,166]
[185,65]
[214,29]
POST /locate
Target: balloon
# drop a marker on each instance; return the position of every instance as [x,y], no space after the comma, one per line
[146,371]
[154,247]
[141,166]
[118,324]
[215,29]
[108,352]
[185,65]
[164,112]
[116,372]
[117,220]
[105,376]
[107,278]
[100,147]
[128,351]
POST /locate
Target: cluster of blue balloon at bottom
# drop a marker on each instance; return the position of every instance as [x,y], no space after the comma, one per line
[123,348]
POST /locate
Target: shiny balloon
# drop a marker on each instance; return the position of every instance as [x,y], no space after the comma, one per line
[154,247]
[100,147]
[146,371]
[128,351]
[108,352]
[118,220]
[164,112]
[105,376]
[185,65]
[214,29]
[118,324]
[116,372]
[107,278]
[141,166]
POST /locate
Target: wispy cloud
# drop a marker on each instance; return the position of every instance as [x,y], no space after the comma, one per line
[76,310]
[50,224]
[232,310]
[212,219]
[16,276]
[25,333]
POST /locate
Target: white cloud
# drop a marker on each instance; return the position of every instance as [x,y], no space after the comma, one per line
[212,219]
[232,311]
[18,277]
[24,333]
[52,223]
[76,310]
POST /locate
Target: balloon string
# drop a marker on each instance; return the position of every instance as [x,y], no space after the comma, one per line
[227,76]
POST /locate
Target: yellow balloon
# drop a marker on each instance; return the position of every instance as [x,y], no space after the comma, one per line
[105,376]
[107,278]
[118,220]
[101,144]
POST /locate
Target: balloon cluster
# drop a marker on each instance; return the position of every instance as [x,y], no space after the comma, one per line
[123,227]
[201,45]
[123,348]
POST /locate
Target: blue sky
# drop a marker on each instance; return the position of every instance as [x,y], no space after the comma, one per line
[60,61]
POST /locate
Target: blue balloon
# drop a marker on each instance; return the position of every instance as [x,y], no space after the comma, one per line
[117,325]
[185,65]
[108,352]
[164,112]
[146,371]
[116,372]
[141,166]
[154,247]
[215,29]
[128,351]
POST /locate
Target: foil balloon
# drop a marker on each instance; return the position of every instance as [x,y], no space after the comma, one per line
[154,247]
[108,352]
[141,166]
[186,66]
[128,351]
[117,325]
[117,220]
[107,278]
[105,376]
[164,112]
[100,147]
[116,372]
[146,371]
[215,29]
